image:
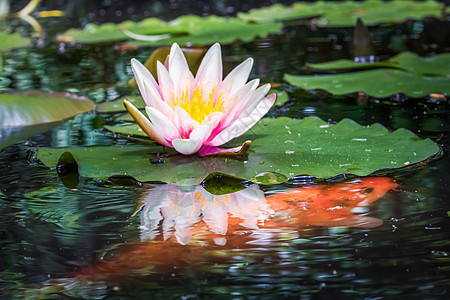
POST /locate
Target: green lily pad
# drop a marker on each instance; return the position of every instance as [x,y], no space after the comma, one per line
[283,146]
[12,41]
[282,96]
[345,13]
[117,105]
[380,83]
[438,65]
[183,30]
[35,107]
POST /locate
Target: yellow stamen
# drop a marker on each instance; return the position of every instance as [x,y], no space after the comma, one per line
[199,106]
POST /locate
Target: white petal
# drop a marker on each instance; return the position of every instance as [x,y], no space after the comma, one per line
[211,66]
[237,78]
[187,146]
[186,81]
[242,99]
[258,95]
[145,81]
[242,125]
[162,124]
[154,133]
[177,63]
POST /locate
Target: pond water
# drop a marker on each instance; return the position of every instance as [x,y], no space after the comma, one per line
[122,239]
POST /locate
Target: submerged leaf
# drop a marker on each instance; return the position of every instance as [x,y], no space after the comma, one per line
[12,40]
[283,146]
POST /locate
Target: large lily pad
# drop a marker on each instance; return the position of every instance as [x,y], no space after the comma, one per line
[117,105]
[405,73]
[345,13]
[12,41]
[183,30]
[34,107]
[281,148]
[380,83]
[438,65]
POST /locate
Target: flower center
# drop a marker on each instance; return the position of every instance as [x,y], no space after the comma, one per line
[198,106]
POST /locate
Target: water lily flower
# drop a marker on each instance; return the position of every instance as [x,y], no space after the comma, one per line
[198,114]
[182,208]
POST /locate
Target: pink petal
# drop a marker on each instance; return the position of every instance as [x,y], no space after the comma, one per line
[183,121]
[211,66]
[177,64]
[211,150]
[145,81]
[242,125]
[202,132]
[163,126]
[194,142]
[165,82]
[214,118]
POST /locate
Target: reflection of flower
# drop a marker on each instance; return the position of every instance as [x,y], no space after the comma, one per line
[197,114]
[180,210]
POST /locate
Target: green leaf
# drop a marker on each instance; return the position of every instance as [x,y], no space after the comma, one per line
[438,65]
[282,96]
[35,107]
[12,41]
[282,147]
[345,13]
[377,83]
[117,105]
[183,30]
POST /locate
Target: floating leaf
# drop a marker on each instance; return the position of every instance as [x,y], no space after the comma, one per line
[377,83]
[35,107]
[117,105]
[345,13]
[183,30]
[111,32]
[12,40]
[284,147]
[438,65]
[282,96]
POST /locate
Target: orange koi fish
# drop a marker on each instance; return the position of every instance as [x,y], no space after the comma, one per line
[195,222]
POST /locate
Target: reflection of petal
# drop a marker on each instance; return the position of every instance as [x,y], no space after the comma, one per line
[216,217]
[251,206]
[180,208]
[151,213]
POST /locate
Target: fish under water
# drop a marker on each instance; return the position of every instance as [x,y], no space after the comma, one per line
[329,205]
[195,223]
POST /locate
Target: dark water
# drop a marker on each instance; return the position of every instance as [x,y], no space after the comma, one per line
[49,232]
